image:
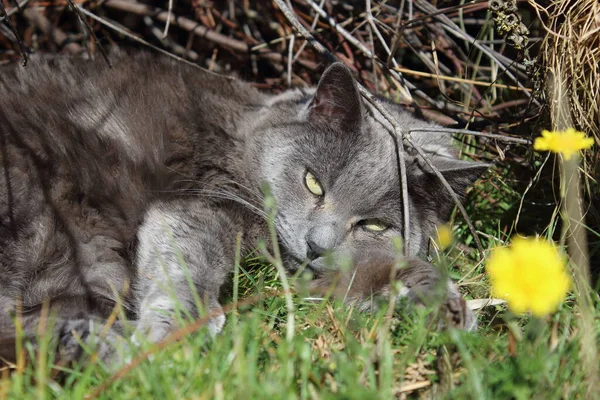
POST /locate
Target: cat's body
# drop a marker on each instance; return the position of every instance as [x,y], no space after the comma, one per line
[113,179]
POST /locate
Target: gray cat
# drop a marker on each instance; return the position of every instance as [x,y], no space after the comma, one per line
[126,184]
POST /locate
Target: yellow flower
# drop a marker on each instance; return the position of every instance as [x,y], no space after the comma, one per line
[444,236]
[566,142]
[530,275]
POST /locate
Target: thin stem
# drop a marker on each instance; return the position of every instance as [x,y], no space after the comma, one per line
[574,223]
[502,138]
[573,230]
[142,41]
[276,260]
[236,277]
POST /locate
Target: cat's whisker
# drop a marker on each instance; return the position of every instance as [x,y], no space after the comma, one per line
[248,189]
[223,195]
[230,196]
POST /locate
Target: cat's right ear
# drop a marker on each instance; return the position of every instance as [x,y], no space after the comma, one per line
[337,101]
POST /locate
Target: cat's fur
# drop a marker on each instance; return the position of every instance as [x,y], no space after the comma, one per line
[123,178]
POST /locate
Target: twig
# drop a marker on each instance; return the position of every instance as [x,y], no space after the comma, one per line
[473,133]
[370,19]
[195,28]
[12,28]
[77,11]
[289,15]
[142,41]
[395,74]
[452,28]
[14,10]
[398,139]
[169,12]
[290,60]
[58,36]
[396,38]
[169,44]
[312,28]
[453,194]
[345,34]
[413,21]
[455,79]
[182,22]
[433,12]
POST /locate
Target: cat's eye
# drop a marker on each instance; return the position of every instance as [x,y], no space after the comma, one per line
[374,225]
[313,185]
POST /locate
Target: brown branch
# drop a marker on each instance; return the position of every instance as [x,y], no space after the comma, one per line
[85,22]
[182,22]
[395,74]
[197,29]
[14,31]
[473,133]
[451,191]
[14,10]
[58,36]
[142,41]
[453,29]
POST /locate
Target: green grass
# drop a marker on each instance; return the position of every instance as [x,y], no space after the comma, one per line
[335,352]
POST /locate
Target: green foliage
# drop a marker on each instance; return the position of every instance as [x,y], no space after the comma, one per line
[336,352]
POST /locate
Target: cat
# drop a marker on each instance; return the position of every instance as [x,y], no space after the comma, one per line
[123,185]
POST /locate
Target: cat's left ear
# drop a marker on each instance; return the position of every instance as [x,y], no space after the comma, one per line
[337,101]
[459,174]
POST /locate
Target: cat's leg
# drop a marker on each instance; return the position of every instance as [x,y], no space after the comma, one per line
[420,283]
[185,254]
[69,326]
[426,286]
[106,343]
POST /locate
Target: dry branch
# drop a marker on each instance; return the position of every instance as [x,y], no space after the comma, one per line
[57,35]
[194,27]
[137,39]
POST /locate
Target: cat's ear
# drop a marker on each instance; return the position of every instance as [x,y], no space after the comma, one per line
[429,192]
[459,174]
[337,100]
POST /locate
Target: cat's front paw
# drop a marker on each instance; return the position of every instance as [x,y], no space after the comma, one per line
[456,312]
[71,334]
[371,283]
[158,320]
[78,338]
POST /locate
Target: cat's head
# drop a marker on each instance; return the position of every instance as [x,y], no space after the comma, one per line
[331,166]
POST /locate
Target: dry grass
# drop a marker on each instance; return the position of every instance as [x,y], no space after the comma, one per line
[571,49]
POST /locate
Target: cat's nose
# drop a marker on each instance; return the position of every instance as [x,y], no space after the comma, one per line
[314,250]
[320,240]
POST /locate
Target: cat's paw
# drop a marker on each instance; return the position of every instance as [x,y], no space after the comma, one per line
[158,321]
[372,282]
[458,315]
[456,312]
[80,338]
[71,335]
